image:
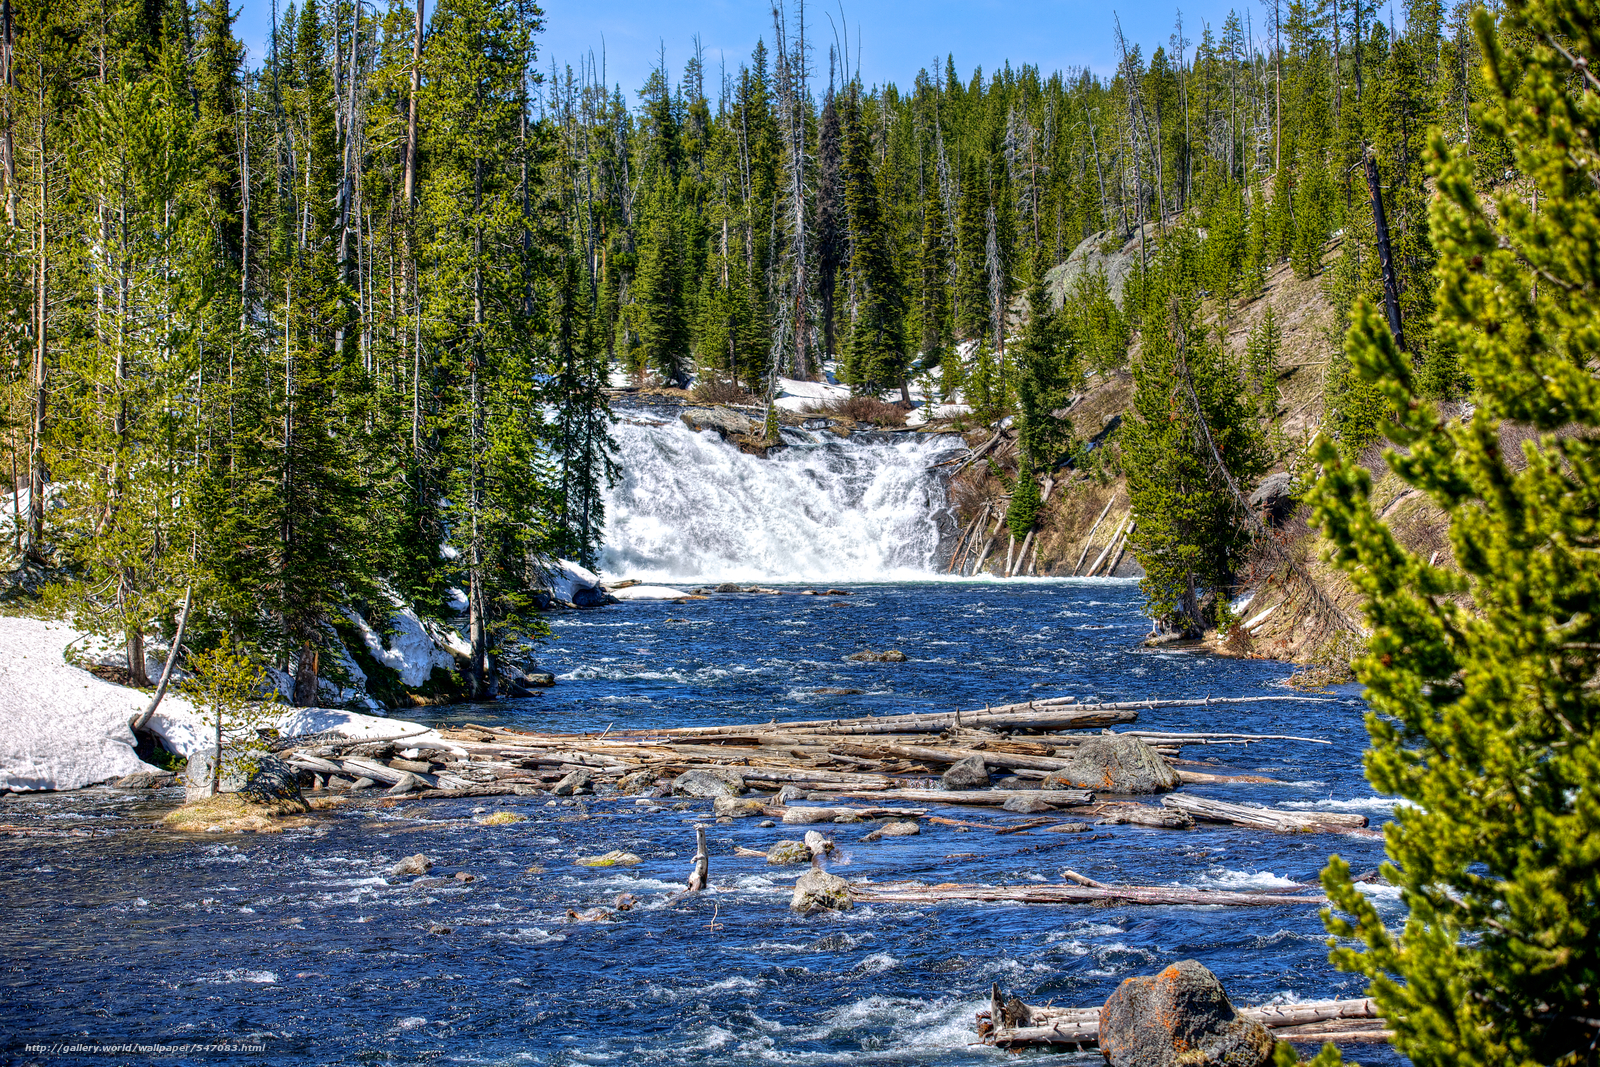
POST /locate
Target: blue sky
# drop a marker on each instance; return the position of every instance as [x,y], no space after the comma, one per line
[895,39]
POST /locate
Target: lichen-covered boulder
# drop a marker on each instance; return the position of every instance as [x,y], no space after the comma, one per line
[1179,1018]
[788,854]
[817,890]
[734,808]
[1115,763]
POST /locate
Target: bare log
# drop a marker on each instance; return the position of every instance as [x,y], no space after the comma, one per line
[1279,821]
[1016,1025]
[1060,798]
[913,893]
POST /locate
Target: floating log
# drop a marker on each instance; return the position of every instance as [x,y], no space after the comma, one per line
[1277,820]
[916,893]
[1132,814]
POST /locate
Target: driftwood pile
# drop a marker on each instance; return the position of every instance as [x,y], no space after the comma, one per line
[1011,1024]
[853,758]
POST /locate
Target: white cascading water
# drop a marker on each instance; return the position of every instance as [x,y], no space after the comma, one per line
[691,506]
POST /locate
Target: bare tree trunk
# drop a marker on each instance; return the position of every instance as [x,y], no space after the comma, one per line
[1391,284]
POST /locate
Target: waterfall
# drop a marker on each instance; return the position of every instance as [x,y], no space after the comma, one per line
[691,506]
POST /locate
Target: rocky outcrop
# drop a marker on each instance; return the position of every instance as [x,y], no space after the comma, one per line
[1179,1018]
[1115,763]
[788,854]
[720,420]
[1273,499]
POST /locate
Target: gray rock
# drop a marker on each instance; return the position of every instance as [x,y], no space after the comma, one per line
[894,828]
[197,779]
[788,854]
[735,808]
[1179,1018]
[637,782]
[817,890]
[968,773]
[766,824]
[721,420]
[1115,763]
[411,865]
[1273,497]
[274,781]
[893,655]
[1025,805]
[790,793]
[712,782]
[728,587]
[360,783]
[408,783]
[576,781]
[146,780]
[820,846]
[802,816]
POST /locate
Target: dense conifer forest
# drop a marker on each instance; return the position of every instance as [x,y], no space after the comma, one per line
[338,326]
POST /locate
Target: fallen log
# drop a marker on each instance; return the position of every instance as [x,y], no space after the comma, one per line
[915,893]
[1128,813]
[1274,819]
[1059,798]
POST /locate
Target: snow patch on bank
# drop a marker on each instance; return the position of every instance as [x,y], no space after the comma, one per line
[63,728]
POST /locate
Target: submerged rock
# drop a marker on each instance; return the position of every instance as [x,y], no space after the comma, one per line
[615,858]
[894,828]
[1115,763]
[1179,1018]
[707,782]
[817,890]
[968,773]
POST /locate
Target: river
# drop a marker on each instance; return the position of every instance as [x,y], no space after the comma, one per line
[297,941]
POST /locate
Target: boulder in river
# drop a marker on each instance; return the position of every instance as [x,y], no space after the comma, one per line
[1179,1018]
[968,773]
[411,865]
[893,655]
[735,808]
[708,782]
[817,890]
[272,781]
[788,854]
[1115,763]
[1026,805]
[637,782]
[576,781]
[145,780]
[894,828]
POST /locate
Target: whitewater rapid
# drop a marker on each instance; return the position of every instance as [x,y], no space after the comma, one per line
[689,506]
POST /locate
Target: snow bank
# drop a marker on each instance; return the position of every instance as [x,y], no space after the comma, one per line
[812,390]
[60,726]
[647,592]
[566,579]
[409,648]
[63,728]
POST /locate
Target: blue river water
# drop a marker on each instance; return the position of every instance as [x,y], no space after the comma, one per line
[122,934]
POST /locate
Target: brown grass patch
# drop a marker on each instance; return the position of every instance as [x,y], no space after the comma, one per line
[713,391]
[231,813]
[867,409]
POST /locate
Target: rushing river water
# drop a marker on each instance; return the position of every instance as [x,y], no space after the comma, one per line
[298,942]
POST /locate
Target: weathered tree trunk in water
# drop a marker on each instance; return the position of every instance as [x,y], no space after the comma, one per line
[700,877]
[305,677]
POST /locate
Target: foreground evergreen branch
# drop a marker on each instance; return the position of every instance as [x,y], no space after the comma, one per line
[1482,681]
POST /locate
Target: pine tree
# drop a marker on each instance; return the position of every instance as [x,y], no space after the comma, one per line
[1480,675]
[932,319]
[876,359]
[1191,444]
